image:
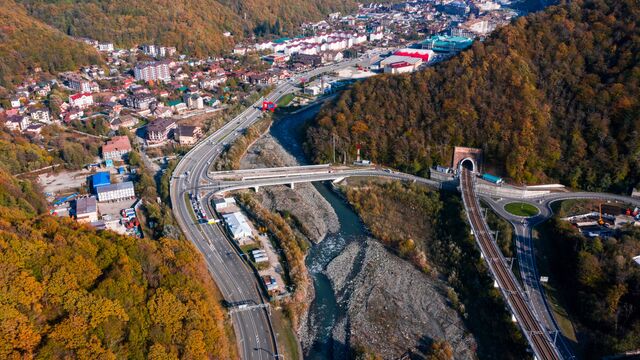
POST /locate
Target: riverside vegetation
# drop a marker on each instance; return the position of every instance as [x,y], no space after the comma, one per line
[430,230]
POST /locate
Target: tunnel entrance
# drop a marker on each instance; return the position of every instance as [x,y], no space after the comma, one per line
[468,158]
[468,164]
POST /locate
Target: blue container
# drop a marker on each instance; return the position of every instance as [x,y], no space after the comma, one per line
[492,178]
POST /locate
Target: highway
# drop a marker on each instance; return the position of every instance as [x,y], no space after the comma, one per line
[255,336]
[523,228]
[539,339]
[535,313]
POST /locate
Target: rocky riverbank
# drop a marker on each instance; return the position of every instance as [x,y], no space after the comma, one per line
[385,305]
[392,308]
[314,216]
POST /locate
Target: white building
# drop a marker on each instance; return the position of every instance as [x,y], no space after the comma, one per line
[222,203]
[397,64]
[317,88]
[194,101]
[115,192]
[152,71]
[105,47]
[17,123]
[376,36]
[41,115]
[259,256]
[237,225]
[81,100]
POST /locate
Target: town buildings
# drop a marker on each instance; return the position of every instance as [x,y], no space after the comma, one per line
[140,101]
[116,192]
[125,121]
[81,100]
[40,114]
[159,130]
[152,71]
[116,148]
[187,135]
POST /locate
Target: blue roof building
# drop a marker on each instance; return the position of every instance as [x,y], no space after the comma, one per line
[447,44]
[100,179]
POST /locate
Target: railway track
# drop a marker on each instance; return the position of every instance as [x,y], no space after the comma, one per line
[535,333]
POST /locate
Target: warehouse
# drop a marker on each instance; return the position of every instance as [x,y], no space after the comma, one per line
[100,179]
[237,225]
[86,209]
[116,192]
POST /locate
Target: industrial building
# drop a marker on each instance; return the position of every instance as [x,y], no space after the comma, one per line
[237,225]
[116,192]
[86,210]
[397,64]
[447,44]
[99,179]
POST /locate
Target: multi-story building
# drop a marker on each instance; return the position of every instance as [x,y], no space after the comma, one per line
[194,101]
[152,71]
[187,135]
[17,122]
[116,148]
[116,192]
[160,129]
[81,100]
[79,84]
[41,115]
[140,101]
[105,47]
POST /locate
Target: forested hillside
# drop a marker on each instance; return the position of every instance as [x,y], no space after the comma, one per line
[193,26]
[604,283]
[68,291]
[27,43]
[553,97]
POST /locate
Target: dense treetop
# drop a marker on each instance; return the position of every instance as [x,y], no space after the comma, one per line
[27,43]
[604,283]
[193,26]
[553,96]
[67,290]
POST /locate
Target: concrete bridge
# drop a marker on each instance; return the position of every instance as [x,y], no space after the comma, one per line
[225,181]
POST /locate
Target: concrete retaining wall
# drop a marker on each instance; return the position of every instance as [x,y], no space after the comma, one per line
[508,191]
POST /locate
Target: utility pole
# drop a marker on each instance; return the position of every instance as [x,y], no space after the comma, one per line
[333,137]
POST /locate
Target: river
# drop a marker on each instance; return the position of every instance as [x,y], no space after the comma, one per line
[288,129]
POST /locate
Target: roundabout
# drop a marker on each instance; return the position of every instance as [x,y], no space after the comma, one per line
[521,209]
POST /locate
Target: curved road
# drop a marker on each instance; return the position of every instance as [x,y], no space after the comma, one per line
[523,228]
[256,339]
[533,294]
